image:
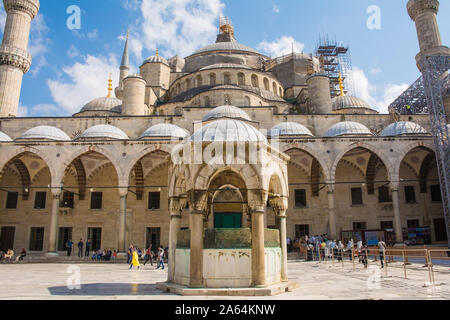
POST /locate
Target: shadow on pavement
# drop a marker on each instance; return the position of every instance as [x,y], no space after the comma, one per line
[108,289]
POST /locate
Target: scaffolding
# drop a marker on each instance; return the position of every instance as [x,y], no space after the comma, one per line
[412,101]
[435,71]
[334,59]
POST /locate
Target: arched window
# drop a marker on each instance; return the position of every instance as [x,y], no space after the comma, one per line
[266,84]
[199,80]
[178,91]
[212,79]
[247,101]
[255,82]
[227,100]
[188,84]
[226,78]
[207,101]
[281,92]
[241,79]
[274,88]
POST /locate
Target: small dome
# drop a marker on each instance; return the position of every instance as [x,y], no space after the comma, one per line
[4,137]
[348,128]
[103,104]
[165,130]
[349,102]
[104,131]
[45,133]
[156,59]
[228,130]
[290,129]
[403,128]
[227,112]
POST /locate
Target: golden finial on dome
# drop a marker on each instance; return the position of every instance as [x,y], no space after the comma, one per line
[341,85]
[157,52]
[109,86]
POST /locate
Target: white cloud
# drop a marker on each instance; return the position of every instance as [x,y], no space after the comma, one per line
[276,9]
[378,97]
[175,27]
[39,42]
[93,34]
[22,111]
[86,80]
[73,52]
[280,46]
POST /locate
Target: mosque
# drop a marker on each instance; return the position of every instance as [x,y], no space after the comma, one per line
[126,168]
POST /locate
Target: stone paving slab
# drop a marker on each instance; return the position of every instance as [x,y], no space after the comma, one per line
[317,281]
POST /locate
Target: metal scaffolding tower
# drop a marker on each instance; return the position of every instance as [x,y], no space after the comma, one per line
[414,97]
[435,71]
[334,59]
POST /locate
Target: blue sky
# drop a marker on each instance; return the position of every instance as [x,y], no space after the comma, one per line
[71,67]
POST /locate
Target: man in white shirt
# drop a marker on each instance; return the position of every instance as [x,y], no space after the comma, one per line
[382,248]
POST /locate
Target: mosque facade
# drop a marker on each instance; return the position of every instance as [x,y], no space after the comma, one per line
[151,162]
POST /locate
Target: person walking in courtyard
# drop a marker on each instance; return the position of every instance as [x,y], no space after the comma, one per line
[80,248]
[88,247]
[161,258]
[149,255]
[69,245]
[382,249]
[135,260]
[130,254]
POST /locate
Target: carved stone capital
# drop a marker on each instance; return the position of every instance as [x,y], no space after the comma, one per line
[15,57]
[416,7]
[177,205]
[197,199]
[29,6]
[257,200]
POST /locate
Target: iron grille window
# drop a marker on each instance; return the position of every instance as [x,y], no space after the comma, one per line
[96,200]
[65,234]
[300,198]
[153,237]
[95,234]
[357,196]
[359,226]
[436,193]
[39,201]
[385,225]
[413,223]
[440,230]
[37,239]
[154,200]
[384,195]
[301,230]
[11,200]
[410,194]
[68,200]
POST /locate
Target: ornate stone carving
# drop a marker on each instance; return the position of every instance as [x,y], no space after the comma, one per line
[416,7]
[29,6]
[177,205]
[15,57]
[197,200]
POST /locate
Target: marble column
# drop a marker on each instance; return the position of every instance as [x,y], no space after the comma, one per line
[52,245]
[258,258]
[281,222]
[397,217]
[196,253]
[176,207]
[123,221]
[331,213]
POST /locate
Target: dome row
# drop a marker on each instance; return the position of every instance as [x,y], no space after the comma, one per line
[223,129]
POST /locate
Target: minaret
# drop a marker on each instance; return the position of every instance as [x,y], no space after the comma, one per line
[124,70]
[424,14]
[15,61]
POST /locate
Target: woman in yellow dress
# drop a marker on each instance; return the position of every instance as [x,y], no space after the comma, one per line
[135,261]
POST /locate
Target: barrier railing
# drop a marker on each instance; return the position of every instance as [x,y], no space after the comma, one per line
[388,258]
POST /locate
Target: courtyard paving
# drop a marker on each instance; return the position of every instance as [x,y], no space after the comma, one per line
[323,281]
